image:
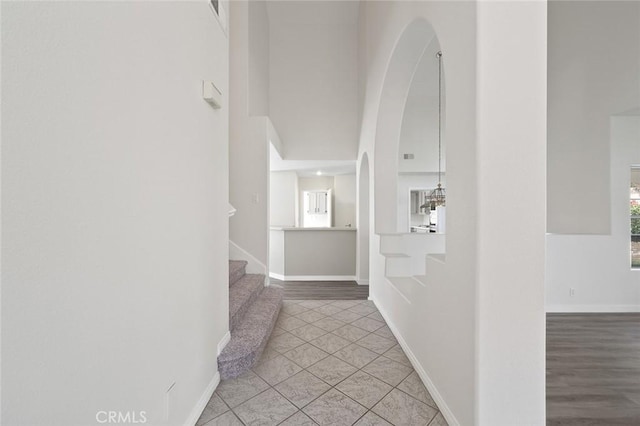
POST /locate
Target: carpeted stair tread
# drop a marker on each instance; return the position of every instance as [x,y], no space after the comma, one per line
[241,295]
[237,269]
[251,334]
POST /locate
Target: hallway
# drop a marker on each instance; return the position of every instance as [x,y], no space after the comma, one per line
[147,143]
[328,362]
[322,290]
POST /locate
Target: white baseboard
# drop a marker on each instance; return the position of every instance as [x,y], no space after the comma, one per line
[254,266]
[442,405]
[206,396]
[223,342]
[362,282]
[202,402]
[312,277]
[592,308]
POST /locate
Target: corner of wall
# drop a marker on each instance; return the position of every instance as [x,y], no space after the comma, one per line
[202,402]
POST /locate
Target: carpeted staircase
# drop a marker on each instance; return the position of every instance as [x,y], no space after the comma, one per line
[253,310]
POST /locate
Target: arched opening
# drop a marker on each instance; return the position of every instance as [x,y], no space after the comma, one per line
[421,150]
[363,221]
[415,43]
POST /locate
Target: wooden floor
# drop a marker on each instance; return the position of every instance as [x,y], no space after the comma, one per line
[321,290]
[593,369]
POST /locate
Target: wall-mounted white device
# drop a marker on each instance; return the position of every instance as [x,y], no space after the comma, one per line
[211,94]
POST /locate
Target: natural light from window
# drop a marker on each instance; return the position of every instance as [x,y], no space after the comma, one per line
[634,210]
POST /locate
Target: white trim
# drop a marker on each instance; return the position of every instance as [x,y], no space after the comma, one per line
[591,308]
[362,282]
[442,405]
[223,342]
[202,402]
[254,266]
[312,277]
[276,276]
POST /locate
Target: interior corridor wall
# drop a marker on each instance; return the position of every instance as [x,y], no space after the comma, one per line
[283,199]
[114,210]
[258,51]
[345,200]
[363,208]
[443,343]
[249,134]
[454,327]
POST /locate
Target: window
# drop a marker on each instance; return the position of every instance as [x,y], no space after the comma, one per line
[634,210]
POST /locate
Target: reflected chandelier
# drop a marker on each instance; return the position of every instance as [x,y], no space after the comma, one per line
[437,196]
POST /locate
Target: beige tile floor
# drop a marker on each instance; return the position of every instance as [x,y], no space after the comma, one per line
[328,362]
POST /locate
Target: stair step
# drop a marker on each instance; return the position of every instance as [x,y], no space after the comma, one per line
[237,269]
[251,335]
[241,295]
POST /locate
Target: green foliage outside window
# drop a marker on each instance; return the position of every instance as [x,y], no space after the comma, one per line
[635,230]
[635,223]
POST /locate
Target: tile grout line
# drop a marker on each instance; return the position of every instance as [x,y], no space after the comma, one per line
[332,354]
[352,374]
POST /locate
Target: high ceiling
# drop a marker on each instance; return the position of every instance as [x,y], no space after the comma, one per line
[320,23]
[308,168]
[313,12]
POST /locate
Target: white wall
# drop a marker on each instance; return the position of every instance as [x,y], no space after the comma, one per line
[114,209]
[364,212]
[258,81]
[511,152]
[444,344]
[249,135]
[419,131]
[597,267]
[344,200]
[276,252]
[314,78]
[283,198]
[594,72]
[470,310]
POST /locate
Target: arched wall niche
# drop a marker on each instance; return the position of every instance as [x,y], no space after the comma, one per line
[408,51]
